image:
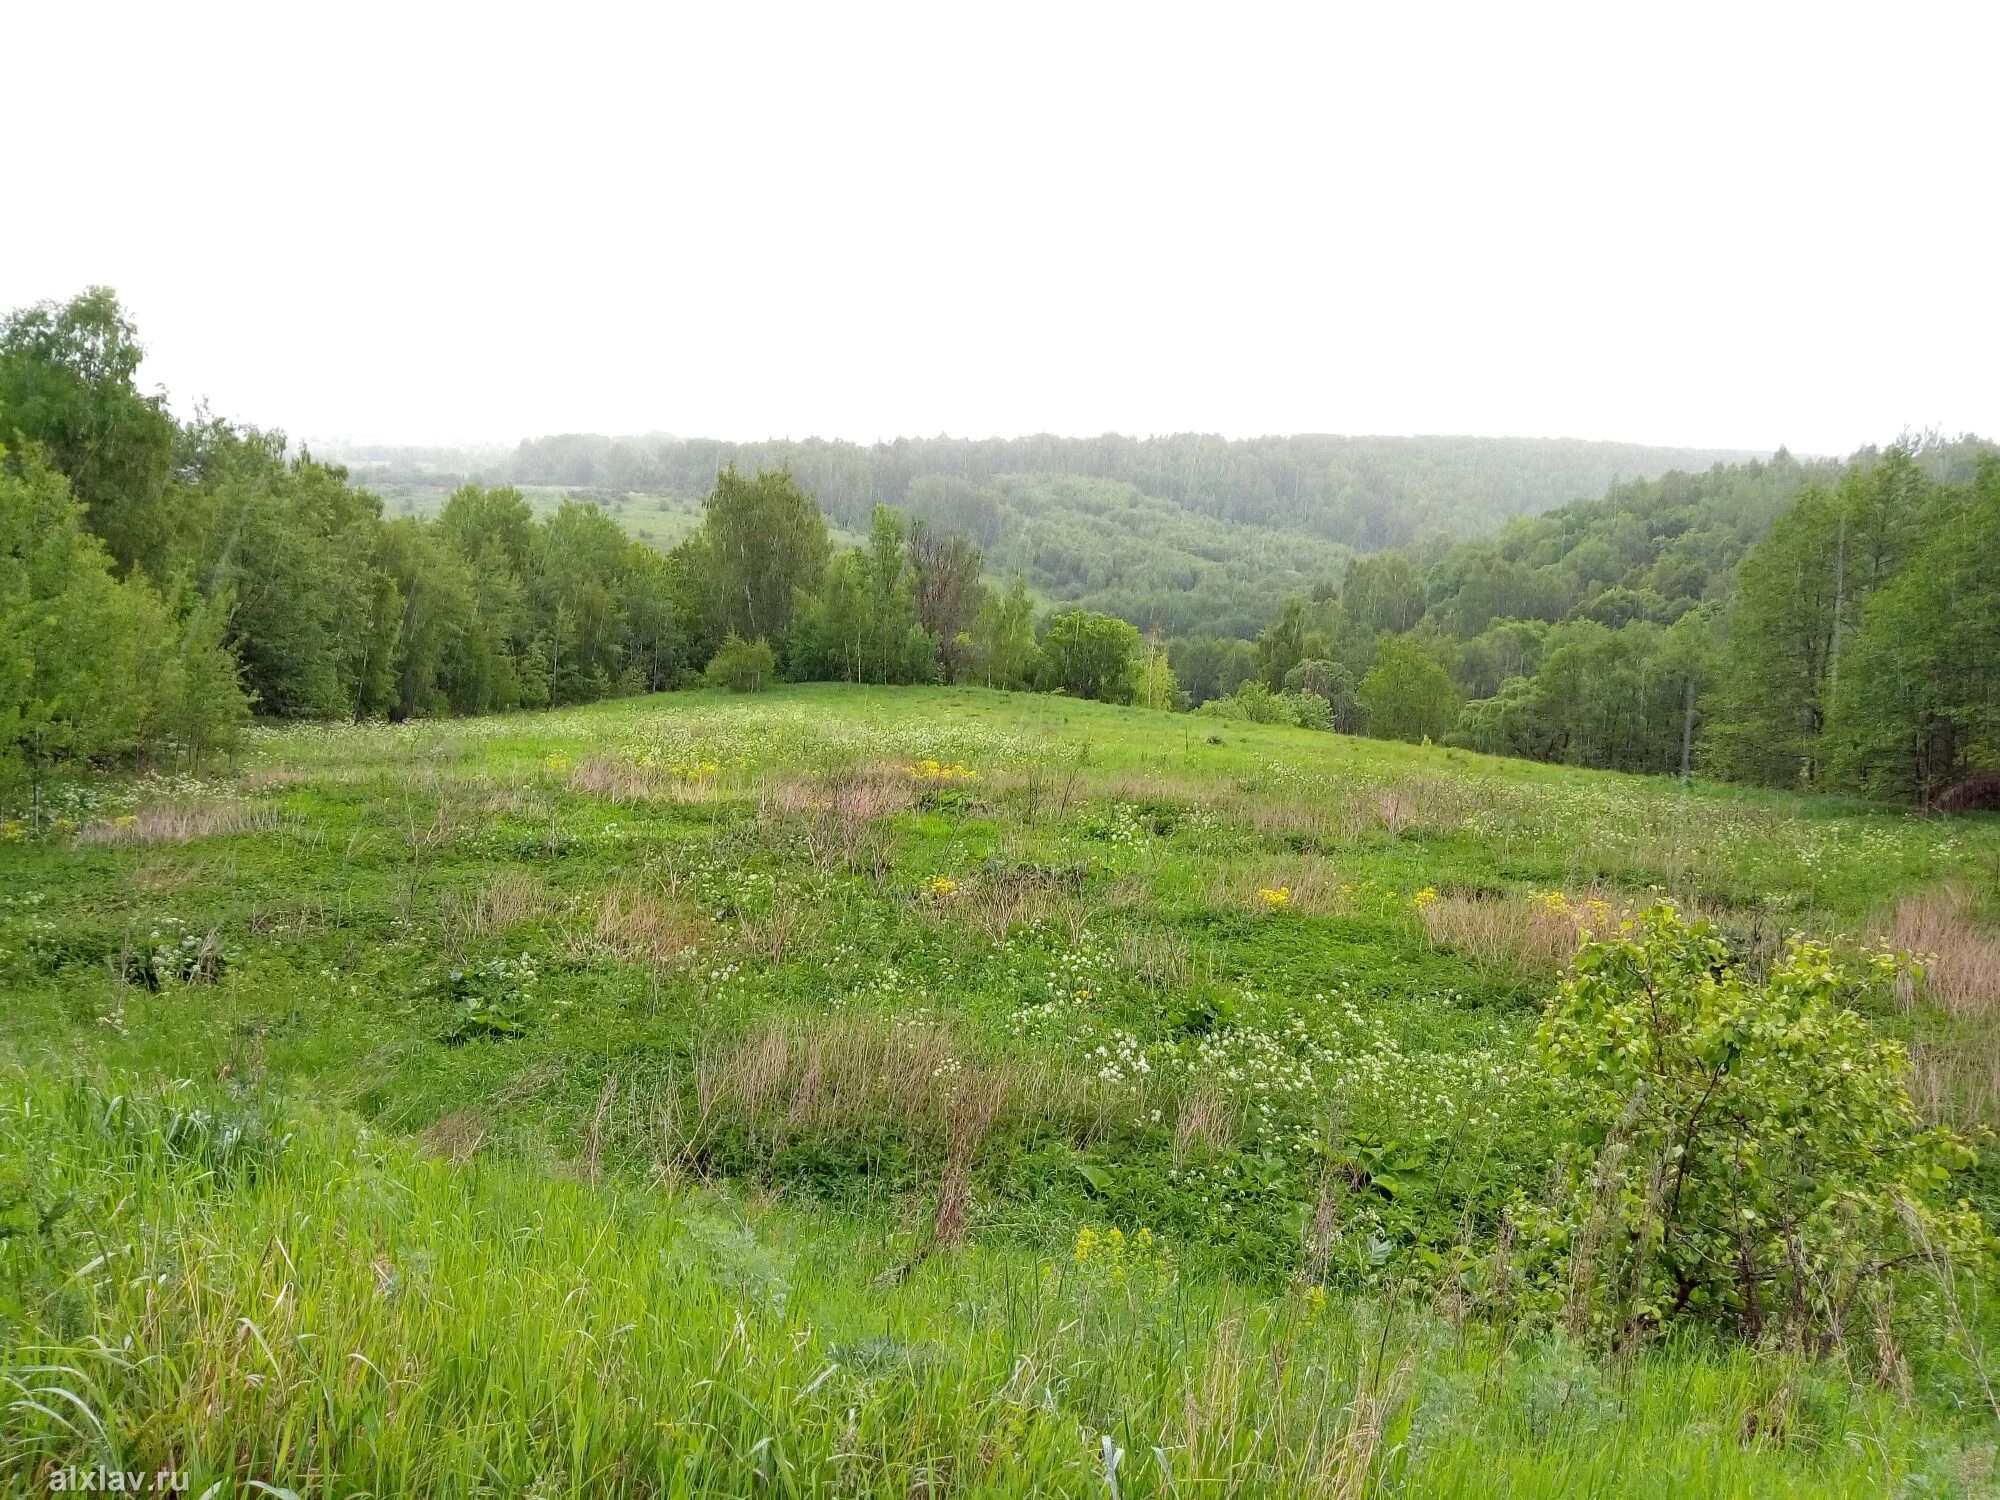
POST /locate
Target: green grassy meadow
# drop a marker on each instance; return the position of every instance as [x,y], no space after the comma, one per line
[885,1091]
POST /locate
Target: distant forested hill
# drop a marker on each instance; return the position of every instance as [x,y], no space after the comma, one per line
[1364,492]
[1186,533]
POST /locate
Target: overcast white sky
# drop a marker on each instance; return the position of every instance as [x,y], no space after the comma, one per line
[1738,225]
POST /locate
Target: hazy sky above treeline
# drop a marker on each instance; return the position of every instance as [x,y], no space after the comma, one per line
[1730,225]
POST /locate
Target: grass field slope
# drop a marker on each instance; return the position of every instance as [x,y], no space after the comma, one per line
[917,1092]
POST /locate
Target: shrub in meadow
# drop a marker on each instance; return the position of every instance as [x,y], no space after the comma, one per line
[743,666]
[1742,1152]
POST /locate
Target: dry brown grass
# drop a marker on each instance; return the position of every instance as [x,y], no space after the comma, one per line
[770,936]
[304,914]
[976,1107]
[1206,1124]
[1286,818]
[1297,885]
[862,793]
[842,1075]
[999,901]
[1423,804]
[1042,791]
[796,1076]
[1956,1081]
[1349,814]
[642,926]
[1160,959]
[840,814]
[1326,1440]
[179,823]
[1150,786]
[455,1137]
[168,874]
[515,797]
[278,778]
[1527,934]
[511,896]
[1961,958]
[618,780]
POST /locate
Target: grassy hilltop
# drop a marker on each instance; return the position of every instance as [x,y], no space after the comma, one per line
[916,1092]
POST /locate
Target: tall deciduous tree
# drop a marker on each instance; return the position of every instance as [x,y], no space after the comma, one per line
[1282,645]
[67,375]
[1407,695]
[761,541]
[294,546]
[1802,589]
[1383,593]
[573,597]
[1921,705]
[947,592]
[1156,687]
[1004,653]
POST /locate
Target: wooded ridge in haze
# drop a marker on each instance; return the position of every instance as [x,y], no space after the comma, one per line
[1183,533]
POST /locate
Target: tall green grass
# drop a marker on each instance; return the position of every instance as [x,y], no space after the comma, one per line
[255,1293]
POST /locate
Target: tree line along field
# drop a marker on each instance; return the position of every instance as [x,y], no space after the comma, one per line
[924,1091]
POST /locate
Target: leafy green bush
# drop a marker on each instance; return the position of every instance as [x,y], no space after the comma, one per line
[1259,705]
[1252,701]
[1744,1152]
[1307,710]
[1088,655]
[743,666]
[1334,685]
[94,666]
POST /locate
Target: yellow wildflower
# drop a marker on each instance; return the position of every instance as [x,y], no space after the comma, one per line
[942,771]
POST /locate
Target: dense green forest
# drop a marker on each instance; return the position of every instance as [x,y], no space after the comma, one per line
[1788,622]
[1818,624]
[1180,534]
